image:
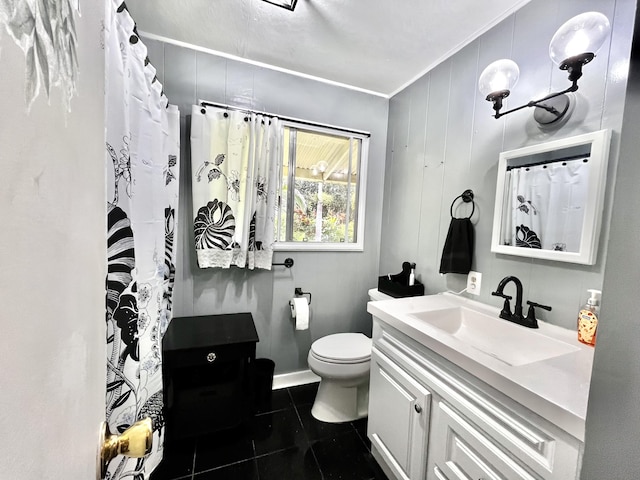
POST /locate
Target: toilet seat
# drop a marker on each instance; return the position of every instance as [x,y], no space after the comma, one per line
[342,348]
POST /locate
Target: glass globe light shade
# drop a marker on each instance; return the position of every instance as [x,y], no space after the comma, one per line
[584,33]
[499,76]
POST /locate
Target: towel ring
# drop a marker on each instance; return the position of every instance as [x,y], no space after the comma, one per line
[466,196]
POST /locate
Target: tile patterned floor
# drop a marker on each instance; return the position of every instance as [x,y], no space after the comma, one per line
[283,443]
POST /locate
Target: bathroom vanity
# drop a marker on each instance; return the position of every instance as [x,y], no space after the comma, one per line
[457,393]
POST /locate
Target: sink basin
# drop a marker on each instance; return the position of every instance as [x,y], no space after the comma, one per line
[512,344]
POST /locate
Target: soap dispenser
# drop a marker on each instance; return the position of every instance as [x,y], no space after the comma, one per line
[412,275]
[588,319]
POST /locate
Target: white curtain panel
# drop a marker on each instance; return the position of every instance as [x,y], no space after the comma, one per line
[235,164]
[507,231]
[142,145]
[548,203]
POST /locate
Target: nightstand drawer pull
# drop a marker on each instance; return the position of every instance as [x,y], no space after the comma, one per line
[211,357]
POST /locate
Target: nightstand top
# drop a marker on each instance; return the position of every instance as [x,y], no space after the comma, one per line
[209,330]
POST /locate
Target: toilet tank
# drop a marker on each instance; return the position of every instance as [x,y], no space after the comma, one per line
[375,294]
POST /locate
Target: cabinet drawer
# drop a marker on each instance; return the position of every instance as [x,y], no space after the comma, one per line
[468,453]
[208,356]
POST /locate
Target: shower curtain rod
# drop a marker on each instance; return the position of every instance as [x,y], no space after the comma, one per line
[205,103]
[583,156]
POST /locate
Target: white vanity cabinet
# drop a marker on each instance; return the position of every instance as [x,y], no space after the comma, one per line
[430,419]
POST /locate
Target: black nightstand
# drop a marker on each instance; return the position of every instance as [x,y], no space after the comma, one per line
[208,369]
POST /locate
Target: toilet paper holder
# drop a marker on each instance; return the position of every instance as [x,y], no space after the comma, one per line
[299,293]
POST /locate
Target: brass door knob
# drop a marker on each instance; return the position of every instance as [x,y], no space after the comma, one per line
[136,442]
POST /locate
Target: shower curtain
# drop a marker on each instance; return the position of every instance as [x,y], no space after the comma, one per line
[142,153]
[235,165]
[547,204]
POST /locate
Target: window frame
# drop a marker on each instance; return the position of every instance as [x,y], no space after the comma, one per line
[361,193]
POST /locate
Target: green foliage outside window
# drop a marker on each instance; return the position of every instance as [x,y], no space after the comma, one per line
[334,208]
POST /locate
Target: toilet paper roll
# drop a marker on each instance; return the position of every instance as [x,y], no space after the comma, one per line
[300,312]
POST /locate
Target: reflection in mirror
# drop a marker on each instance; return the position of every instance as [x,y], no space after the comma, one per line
[549,199]
[545,200]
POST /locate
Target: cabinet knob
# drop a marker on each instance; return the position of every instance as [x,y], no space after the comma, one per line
[417,408]
[211,357]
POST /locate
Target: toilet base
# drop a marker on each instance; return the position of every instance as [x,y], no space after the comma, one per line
[336,403]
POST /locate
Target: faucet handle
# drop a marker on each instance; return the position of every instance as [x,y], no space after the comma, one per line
[534,304]
[506,308]
[531,314]
[501,295]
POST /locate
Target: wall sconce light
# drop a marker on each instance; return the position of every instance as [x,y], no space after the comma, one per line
[574,45]
[288,4]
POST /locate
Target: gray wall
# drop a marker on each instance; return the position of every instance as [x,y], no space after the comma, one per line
[338,280]
[612,449]
[443,140]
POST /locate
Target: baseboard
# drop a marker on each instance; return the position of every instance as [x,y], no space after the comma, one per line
[293,379]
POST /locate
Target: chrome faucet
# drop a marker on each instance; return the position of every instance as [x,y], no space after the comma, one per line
[517,317]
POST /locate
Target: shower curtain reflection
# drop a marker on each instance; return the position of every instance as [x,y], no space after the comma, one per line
[531,190]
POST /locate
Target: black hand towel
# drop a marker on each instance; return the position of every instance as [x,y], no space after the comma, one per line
[458,248]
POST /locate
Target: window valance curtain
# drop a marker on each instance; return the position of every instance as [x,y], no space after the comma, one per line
[235,168]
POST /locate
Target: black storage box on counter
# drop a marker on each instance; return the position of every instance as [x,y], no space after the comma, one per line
[398,285]
[399,290]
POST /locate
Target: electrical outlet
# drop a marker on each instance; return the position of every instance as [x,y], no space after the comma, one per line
[474,280]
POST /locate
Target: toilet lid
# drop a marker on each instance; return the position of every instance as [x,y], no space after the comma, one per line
[343,348]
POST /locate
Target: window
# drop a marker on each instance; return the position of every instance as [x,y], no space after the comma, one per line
[322,189]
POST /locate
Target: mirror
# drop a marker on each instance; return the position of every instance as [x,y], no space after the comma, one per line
[549,199]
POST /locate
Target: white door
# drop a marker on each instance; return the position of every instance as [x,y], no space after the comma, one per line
[52,266]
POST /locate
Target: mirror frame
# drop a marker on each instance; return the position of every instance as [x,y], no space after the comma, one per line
[599,157]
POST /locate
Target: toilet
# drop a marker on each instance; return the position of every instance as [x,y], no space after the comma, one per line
[342,361]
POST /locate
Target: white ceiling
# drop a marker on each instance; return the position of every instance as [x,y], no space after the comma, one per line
[376,45]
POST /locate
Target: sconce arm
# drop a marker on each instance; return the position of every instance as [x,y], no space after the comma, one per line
[539,104]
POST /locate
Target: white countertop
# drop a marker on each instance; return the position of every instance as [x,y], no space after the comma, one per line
[557,389]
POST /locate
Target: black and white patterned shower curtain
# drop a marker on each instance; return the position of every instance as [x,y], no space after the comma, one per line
[142,146]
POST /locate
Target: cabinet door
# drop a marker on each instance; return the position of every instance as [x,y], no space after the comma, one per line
[464,452]
[398,418]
